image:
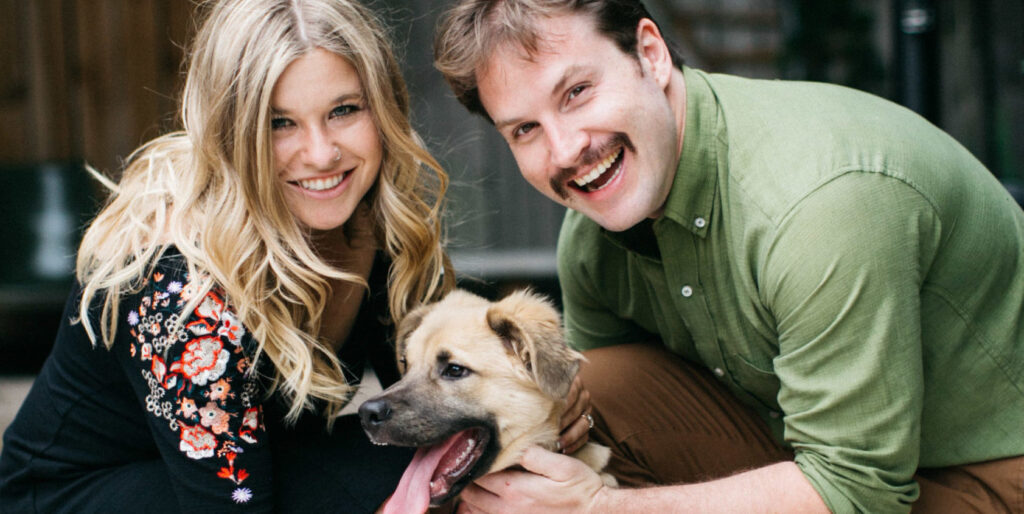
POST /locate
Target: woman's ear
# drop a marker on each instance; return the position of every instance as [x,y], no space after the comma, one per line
[652,50]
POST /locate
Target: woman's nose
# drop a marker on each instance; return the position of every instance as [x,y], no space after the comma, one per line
[320,151]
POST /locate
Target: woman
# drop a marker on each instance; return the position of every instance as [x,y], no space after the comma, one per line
[232,289]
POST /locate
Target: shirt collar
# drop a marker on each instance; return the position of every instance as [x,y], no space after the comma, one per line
[693,190]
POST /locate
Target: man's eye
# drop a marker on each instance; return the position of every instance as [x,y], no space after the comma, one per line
[576,91]
[455,371]
[524,129]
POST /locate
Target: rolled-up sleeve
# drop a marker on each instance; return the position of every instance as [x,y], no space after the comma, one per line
[843,278]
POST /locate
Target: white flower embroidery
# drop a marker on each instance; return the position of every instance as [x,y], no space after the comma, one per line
[197,442]
[204,360]
[241,495]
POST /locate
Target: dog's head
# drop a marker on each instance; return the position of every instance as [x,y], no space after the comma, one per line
[481,382]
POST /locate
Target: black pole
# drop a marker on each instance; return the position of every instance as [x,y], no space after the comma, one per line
[917,46]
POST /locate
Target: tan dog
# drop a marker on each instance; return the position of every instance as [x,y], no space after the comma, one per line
[481,382]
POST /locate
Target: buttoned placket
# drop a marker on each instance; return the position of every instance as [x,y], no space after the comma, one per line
[683,271]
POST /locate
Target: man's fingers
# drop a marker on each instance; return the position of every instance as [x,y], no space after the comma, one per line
[477,498]
[551,465]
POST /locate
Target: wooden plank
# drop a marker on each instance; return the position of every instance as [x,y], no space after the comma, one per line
[14,85]
[47,78]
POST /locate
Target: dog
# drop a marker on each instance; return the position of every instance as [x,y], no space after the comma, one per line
[482,381]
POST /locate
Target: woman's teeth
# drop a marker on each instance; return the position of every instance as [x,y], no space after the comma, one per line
[321,184]
[598,170]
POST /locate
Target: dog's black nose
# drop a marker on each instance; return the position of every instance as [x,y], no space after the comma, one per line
[374,412]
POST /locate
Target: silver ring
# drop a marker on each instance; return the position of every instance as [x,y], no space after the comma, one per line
[590,420]
[337,153]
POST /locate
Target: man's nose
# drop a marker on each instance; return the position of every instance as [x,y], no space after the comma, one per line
[567,145]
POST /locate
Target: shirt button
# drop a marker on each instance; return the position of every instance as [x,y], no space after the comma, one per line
[774,414]
[720,372]
[700,222]
[687,291]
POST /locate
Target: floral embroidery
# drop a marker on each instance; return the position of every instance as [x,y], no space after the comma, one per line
[204,359]
[197,443]
[197,374]
[215,418]
[241,495]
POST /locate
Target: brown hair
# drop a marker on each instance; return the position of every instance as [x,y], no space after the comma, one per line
[472,29]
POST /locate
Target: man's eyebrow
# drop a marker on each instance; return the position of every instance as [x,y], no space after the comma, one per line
[570,73]
[501,124]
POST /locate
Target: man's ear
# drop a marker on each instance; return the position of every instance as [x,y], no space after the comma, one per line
[531,329]
[652,50]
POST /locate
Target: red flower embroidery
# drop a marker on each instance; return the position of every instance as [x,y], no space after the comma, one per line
[158,368]
[229,472]
[210,307]
[221,390]
[197,442]
[187,408]
[204,360]
[214,417]
[231,328]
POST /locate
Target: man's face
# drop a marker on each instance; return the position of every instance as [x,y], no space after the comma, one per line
[590,126]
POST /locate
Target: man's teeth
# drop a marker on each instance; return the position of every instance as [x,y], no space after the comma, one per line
[598,170]
[321,184]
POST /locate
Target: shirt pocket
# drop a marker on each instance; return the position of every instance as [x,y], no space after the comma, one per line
[757,381]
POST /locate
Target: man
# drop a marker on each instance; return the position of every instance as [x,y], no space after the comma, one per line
[837,283]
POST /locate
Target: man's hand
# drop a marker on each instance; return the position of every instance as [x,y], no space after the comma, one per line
[575,424]
[553,483]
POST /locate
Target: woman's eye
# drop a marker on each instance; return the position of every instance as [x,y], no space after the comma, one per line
[279,123]
[455,371]
[343,110]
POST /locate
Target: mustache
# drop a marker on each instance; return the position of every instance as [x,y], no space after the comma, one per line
[590,157]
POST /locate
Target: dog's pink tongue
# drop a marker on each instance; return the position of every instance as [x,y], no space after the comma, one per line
[413,492]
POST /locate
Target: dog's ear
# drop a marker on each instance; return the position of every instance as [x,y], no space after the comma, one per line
[406,326]
[531,329]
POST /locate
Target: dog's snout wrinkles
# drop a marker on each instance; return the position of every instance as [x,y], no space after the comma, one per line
[375,412]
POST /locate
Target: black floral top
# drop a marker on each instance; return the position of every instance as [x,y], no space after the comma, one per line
[199,380]
[176,387]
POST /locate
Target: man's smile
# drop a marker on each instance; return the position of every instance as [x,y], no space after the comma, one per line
[601,174]
[605,163]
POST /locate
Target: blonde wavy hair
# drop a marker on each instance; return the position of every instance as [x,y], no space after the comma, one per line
[211,191]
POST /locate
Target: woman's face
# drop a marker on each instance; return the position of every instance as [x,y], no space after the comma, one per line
[327,152]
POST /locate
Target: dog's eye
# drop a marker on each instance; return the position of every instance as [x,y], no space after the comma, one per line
[454,371]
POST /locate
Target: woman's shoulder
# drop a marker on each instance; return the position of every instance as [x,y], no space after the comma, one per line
[177,305]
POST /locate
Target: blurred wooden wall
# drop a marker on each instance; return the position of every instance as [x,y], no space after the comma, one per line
[88,79]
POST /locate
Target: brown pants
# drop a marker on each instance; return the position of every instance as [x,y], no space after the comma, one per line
[670,422]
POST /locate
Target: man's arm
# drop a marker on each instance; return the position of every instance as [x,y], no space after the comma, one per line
[563,484]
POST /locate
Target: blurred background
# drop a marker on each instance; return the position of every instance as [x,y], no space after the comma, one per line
[89,80]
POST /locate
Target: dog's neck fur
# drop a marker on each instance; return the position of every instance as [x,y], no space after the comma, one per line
[546,436]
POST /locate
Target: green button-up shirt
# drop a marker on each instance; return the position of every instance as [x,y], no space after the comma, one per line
[843,266]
